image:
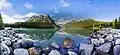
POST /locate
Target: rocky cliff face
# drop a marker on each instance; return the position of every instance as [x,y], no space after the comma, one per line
[42,21]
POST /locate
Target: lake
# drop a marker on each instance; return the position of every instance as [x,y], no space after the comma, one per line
[53,35]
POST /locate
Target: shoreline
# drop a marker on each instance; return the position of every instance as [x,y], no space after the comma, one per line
[12,42]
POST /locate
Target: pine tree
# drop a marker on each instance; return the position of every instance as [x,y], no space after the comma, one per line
[1,22]
[116,23]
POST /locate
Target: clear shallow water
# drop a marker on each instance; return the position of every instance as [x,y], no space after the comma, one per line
[48,35]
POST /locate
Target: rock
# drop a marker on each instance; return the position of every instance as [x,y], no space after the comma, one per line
[7,42]
[16,45]
[72,53]
[4,49]
[21,51]
[27,44]
[68,43]
[117,42]
[54,44]
[64,51]
[33,51]
[116,50]
[109,38]
[95,42]
[54,52]
[101,40]
[104,48]
[86,49]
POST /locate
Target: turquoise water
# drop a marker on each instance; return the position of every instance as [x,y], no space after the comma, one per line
[51,35]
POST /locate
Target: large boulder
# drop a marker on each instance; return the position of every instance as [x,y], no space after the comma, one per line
[4,49]
[27,44]
[104,48]
[86,49]
[116,50]
[54,52]
[21,51]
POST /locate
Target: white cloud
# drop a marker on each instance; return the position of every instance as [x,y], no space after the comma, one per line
[28,5]
[64,3]
[4,4]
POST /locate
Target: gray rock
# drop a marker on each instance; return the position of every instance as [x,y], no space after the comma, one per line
[109,38]
[16,45]
[86,49]
[104,48]
[116,50]
[4,49]
[21,52]
[54,52]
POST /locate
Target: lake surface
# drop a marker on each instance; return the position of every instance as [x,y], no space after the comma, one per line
[53,35]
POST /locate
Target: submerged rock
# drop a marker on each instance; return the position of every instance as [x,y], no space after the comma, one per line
[21,51]
[68,43]
[33,51]
[27,44]
[54,44]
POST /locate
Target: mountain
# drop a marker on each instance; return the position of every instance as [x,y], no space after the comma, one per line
[42,21]
[87,23]
[36,21]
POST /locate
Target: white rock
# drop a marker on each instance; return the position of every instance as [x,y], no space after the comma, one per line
[101,40]
[95,41]
[117,42]
[21,52]
[54,52]
[72,53]
[109,38]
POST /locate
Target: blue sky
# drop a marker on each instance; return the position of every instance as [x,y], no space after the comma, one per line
[63,9]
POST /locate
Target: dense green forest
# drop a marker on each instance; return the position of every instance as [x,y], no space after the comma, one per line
[92,24]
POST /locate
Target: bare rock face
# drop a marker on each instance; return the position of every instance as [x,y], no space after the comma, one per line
[42,21]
